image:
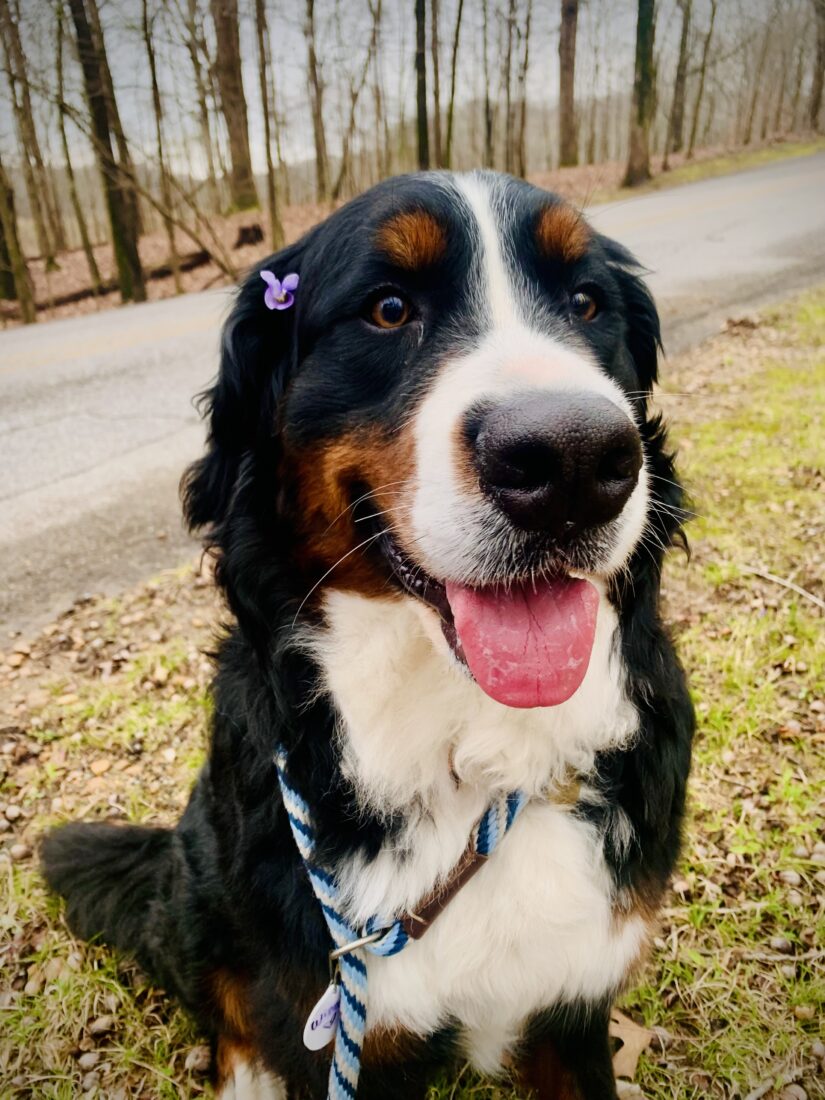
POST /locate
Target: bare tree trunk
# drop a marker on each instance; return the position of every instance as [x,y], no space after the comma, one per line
[53,200]
[221,163]
[48,198]
[13,252]
[233,102]
[356,88]
[124,157]
[757,81]
[776,126]
[421,84]
[8,291]
[316,96]
[521,145]
[195,46]
[282,183]
[507,81]
[590,152]
[644,97]
[382,124]
[709,118]
[276,229]
[619,124]
[44,242]
[815,101]
[676,120]
[49,231]
[448,152]
[700,90]
[604,143]
[488,106]
[797,88]
[121,221]
[403,149]
[85,240]
[435,50]
[590,155]
[568,128]
[157,108]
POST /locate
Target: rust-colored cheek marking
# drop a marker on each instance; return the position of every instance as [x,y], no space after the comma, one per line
[413,240]
[562,233]
[325,479]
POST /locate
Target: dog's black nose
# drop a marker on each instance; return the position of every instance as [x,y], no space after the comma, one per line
[556,462]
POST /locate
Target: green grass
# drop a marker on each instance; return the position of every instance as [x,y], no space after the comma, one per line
[738,1013]
[756,657]
[46,1031]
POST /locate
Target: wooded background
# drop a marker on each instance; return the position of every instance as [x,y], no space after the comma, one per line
[123,121]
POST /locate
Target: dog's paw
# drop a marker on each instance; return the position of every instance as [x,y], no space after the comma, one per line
[247,1083]
[627,1090]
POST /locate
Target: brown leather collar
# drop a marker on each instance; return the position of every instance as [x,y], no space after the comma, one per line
[416,923]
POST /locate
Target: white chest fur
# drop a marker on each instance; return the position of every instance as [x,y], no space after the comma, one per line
[537,924]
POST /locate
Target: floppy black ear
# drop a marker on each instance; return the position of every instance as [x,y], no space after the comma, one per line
[644,334]
[257,354]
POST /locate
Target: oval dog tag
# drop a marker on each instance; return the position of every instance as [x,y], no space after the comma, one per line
[322,1022]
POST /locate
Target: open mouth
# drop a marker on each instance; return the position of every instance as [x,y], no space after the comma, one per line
[526,643]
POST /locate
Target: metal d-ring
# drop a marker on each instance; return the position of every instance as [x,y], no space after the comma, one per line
[348,948]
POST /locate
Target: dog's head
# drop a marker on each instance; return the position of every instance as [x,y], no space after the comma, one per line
[452,412]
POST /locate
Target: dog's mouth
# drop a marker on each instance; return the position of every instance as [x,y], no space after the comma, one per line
[527,643]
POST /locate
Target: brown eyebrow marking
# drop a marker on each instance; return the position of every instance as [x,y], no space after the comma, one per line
[413,239]
[562,233]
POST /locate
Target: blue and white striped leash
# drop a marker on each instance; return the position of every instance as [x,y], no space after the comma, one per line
[377,937]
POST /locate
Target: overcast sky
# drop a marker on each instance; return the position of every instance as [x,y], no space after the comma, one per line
[343,29]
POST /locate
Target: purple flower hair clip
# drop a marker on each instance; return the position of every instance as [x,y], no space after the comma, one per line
[279,294]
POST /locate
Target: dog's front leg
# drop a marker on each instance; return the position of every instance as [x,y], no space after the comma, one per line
[566,1056]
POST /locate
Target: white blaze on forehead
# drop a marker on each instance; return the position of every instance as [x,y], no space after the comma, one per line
[495,282]
[529,346]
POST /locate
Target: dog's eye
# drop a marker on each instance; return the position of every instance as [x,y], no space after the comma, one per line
[390,312]
[583,305]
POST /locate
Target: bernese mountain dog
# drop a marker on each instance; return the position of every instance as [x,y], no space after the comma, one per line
[438,504]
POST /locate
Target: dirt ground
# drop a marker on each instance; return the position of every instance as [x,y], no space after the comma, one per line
[103,715]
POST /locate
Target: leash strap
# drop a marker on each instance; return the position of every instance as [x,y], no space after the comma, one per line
[378,937]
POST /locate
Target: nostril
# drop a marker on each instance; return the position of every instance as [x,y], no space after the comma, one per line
[619,464]
[528,465]
[472,425]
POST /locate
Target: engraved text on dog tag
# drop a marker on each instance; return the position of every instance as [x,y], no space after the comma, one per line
[322,1022]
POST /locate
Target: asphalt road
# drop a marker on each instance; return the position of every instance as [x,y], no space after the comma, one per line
[96,413]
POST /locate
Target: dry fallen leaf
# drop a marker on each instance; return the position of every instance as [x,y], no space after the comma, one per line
[634,1040]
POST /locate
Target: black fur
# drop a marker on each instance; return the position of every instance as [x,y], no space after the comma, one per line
[225,890]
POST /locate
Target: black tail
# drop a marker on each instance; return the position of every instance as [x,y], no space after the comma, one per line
[122,885]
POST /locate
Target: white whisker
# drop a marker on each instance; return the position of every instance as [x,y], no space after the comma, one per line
[321,580]
[375,489]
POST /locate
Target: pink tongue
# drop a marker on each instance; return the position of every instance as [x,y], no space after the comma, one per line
[529,646]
